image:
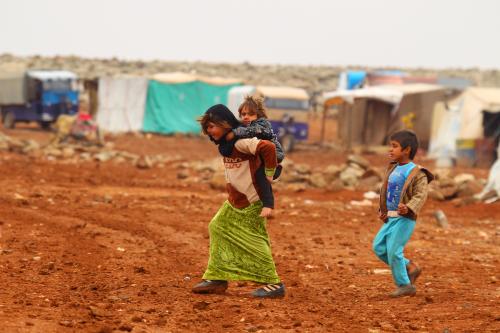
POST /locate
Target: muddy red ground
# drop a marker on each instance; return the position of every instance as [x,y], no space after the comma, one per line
[103,247]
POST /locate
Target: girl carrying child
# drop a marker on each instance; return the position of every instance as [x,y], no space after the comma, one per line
[239,243]
[255,125]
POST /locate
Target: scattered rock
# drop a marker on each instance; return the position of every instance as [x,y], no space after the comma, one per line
[469,188]
[107,198]
[96,312]
[218,181]
[317,180]
[18,197]
[336,185]
[144,162]
[435,194]
[356,159]
[183,174]
[126,327]
[66,323]
[303,169]
[140,270]
[68,152]
[201,305]
[137,319]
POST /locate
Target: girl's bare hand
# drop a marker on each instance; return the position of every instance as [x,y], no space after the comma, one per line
[266,212]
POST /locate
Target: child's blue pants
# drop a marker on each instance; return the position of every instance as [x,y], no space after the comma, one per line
[389,244]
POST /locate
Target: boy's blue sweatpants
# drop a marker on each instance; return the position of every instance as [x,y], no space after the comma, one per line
[389,244]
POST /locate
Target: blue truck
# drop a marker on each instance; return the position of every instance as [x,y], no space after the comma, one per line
[37,95]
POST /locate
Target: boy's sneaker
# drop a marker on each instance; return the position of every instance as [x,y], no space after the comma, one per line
[407,290]
[210,287]
[277,172]
[270,291]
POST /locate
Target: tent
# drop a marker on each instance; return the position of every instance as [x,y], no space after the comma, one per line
[349,80]
[121,103]
[471,117]
[369,115]
[176,100]
[479,113]
[13,88]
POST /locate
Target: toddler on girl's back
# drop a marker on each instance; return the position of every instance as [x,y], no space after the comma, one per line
[255,125]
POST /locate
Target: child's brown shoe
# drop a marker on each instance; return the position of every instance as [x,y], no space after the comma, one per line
[407,290]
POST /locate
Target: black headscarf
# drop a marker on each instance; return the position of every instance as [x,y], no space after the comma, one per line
[220,113]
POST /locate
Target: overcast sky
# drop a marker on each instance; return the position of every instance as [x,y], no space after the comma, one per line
[417,33]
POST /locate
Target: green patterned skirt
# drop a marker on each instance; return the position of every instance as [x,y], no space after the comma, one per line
[239,246]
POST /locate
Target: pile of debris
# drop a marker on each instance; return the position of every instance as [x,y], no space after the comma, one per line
[82,151]
[461,188]
[356,174]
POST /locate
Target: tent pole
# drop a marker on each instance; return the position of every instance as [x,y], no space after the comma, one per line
[322,135]
[349,128]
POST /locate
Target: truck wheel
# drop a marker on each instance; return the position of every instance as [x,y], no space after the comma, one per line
[9,120]
[287,143]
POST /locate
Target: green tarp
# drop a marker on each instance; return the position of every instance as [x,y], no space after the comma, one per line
[175,107]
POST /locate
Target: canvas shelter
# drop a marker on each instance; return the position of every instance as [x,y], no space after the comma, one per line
[175,101]
[12,85]
[480,112]
[471,119]
[121,103]
[369,115]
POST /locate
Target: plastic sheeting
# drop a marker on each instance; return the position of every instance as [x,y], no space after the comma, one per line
[121,104]
[443,146]
[351,80]
[236,96]
[493,183]
[175,107]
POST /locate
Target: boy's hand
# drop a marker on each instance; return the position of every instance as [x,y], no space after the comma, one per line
[382,217]
[402,209]
[270,179]
[229,136]
[266,212]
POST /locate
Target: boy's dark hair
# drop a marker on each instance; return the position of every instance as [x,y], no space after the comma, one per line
[255,105]
[406,139]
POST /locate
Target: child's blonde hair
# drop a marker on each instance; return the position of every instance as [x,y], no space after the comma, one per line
[255,105]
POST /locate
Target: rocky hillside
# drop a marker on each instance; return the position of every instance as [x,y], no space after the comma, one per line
[314,79]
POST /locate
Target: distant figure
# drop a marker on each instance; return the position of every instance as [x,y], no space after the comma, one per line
[80,127]
[239,244]
[255,125]
[403,194]
[62,128]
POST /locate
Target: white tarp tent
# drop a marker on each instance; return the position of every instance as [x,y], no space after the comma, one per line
[385,94]
[463,120]
[121,103]
[474,101]
[236,96]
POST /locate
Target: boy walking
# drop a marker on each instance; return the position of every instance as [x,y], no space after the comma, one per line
[403,194]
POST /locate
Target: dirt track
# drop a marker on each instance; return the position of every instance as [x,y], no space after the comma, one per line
[103,247]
